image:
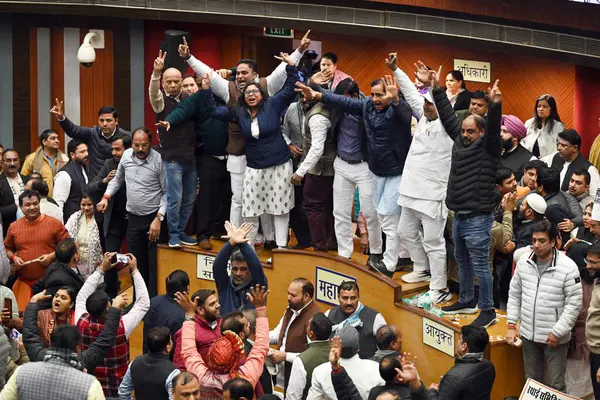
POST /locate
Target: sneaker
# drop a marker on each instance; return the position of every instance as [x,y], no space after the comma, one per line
[485,319]
[188,240]
[461,308]
[380,267]
[259,240]
[174,243]
[440,296]
[269,260]
[270,245]
[417,276]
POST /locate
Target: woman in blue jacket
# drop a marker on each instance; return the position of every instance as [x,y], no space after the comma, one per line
[267,187]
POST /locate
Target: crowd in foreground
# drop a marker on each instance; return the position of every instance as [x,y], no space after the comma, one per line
[304,149]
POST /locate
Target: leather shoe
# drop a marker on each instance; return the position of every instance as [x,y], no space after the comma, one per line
[205,244]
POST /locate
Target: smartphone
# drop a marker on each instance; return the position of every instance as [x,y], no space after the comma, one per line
[393,59]
[8,304]
[121,261]
[14,334]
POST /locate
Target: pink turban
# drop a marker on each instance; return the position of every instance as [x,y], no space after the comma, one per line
[514,126]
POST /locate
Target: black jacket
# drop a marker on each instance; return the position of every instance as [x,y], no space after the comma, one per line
[58,275]
[469,379]
[473,170]
[90,358]
[77,189]
[99,147]
[463,101]
[516,160]
[345,389]
[96,188]
[8,207]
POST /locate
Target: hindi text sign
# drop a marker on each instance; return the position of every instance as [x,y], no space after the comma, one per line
[534,390]
[204,267]
[474,71]
[438,336]
[327,284]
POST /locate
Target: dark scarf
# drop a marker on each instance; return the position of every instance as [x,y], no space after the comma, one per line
[64,356]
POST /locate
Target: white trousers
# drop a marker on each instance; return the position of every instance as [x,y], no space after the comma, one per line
[347,178]
[389,226]
[423,236]
[268,226]
[237,186]
[280,224]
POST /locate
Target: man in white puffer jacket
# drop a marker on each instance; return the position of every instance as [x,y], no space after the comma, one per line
[546,296]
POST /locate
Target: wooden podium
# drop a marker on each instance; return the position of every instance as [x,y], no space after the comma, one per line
[431,338]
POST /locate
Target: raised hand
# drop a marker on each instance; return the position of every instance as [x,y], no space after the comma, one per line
[494,94]
[390,61]
[184,301]
[308,93]
[258,296]
[435,77]
[106,261]
[164,124]
[409,372]
[285,57]
[40,296]
[237,235]
[335,351]
[57,109]
[422,73]
[120,301]
[305,42]
[224,73]
[391,89]
[509,202]
[322,77]
[205,82]
[184,50]
[159,62]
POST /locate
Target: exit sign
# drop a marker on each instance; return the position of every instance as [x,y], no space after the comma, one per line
[279,32]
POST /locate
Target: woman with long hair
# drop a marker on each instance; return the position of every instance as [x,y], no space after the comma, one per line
[456,90]
[543,128]
[39,324]
[83,228]
[267,187]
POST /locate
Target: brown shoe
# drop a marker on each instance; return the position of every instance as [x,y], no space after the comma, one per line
[205,244]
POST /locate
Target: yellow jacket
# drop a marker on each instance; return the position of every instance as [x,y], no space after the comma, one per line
[48,171]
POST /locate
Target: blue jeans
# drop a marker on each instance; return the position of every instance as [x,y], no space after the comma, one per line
[181,193]
[472,253]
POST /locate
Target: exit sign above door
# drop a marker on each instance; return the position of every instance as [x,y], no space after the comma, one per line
[279,32]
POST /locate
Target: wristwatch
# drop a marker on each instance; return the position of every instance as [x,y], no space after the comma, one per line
[188,318]
[160,217]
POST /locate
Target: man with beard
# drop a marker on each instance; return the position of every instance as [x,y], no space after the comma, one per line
[545,296]
[579,187]
[71,181]
[478,105]
[475,159]
[12,184]
[246,270]
[532,209]
[207,321]
[514,156]
[46,159]
[354,313]
[140,169]
[290,334]
[114,220]
[98,138]
[229,92]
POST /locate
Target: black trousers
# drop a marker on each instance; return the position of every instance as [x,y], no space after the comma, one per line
[214,198]
[298,220]
[117,231]
[143,249]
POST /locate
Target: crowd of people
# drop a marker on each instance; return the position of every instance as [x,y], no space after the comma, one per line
[431,174]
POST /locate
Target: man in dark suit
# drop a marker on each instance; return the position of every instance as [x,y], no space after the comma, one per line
[12,184]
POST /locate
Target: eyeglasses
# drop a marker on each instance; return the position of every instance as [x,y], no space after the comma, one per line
[252,92]
[590,262]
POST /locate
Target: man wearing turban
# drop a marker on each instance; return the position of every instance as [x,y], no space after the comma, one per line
[514,156]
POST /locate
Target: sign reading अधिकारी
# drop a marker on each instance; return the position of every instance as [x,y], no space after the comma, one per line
[474,71]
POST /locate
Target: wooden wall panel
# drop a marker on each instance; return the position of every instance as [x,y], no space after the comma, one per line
[122,74]
[97,82]
[33,89]
[522,78]
[21,88]
[57,74]
[560,13]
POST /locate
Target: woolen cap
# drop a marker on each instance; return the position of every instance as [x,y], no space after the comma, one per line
[349,336]
[536,203]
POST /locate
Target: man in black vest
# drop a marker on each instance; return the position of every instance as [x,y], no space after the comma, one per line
[71,181]
[12,184]
[568,159]
[579,187]
[150,375]
[352,312]
[514,156]
[177,150]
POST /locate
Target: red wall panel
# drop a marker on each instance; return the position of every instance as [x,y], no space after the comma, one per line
[587,105]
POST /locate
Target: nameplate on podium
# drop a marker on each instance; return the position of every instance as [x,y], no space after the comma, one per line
[204,267]
[534,390]
[327,282]
[438,336]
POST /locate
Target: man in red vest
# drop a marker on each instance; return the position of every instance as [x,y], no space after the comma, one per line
[290,333]
[90,312]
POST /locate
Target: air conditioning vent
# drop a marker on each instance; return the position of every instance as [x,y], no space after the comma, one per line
[120,3]
[430,24]
[221,6]
[572,44]
[545,39]
[518,36]
[370,18]
[592,47]
[162,4]
[250,7]
[283,10]
[457,27]
[339,14]
[313,13]
[402,21]
[484,31]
